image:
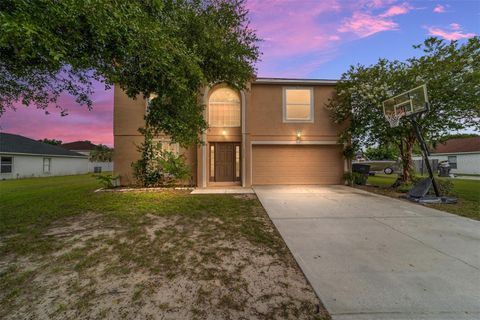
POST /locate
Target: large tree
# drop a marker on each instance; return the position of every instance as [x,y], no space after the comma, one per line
[385,152]
[101,153]
[451,72]
[162,48]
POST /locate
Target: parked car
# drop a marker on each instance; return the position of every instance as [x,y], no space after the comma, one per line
[385,166]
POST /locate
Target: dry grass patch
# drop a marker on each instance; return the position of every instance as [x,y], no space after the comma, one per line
[214,257]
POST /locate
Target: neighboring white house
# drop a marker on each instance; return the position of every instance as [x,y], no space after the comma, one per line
[21,157]
[85,147]
[463,154]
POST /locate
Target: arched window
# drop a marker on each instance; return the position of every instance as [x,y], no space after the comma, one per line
[224,108]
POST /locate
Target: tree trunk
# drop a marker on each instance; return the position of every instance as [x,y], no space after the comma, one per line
[406,151]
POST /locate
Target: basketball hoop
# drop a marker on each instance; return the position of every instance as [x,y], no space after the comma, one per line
[408,104]
[403,105]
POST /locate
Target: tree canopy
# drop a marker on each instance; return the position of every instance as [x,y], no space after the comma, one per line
[451,72]
[382,153]
[101,153]
[53,142]
[162,48]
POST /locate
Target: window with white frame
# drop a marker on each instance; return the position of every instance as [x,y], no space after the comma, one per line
[224,108]
[298,105]
[166,144]
[452,160]
[6,165]
[47,164]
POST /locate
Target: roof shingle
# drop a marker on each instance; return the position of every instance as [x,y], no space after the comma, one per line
[459,145]
[14,143]
[78,145]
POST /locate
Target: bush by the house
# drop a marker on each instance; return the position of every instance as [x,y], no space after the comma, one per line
[107,181]
[158,167]
[353,178]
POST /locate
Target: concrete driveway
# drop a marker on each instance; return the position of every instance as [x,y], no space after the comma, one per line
[373,257]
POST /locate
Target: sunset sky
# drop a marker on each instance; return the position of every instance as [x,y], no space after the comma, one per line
[301,39]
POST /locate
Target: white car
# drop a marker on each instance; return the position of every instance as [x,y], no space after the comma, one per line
[385,166]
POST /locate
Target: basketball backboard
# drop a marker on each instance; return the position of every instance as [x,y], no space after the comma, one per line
[410,102]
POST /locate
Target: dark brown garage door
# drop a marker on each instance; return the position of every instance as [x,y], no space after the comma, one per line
[294,164]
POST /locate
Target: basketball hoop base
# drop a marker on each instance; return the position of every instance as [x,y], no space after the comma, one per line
[431,199]
[419,193]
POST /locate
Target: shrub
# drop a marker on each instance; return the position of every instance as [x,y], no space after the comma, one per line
[107,180]
[173,167]
[158,167]
[445,187]
[355,178]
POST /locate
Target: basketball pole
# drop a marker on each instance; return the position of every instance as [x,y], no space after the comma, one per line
[425,151]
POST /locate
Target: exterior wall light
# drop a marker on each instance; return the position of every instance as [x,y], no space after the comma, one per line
[224,132]
[298,135]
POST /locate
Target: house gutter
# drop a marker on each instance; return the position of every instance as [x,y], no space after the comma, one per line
[295,81]
[449,153]
[43,155]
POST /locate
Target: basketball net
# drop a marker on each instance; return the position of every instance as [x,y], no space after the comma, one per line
[393,119]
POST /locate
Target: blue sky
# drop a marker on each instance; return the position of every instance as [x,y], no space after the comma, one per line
[301,39]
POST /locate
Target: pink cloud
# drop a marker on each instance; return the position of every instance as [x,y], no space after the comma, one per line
[313,30]
[374,4]
[365,25]
[397,10]
[455,26]
[439,9]
[364,22]
[449,35]
[288,32]
[294,29]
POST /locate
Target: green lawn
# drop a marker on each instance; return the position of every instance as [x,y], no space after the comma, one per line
[67,252]
[467,191]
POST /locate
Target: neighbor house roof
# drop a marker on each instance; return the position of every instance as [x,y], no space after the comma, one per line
[14,143]
[79,145]
[459,145]
[295,81]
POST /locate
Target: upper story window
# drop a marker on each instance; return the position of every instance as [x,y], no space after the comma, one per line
[298,105]
[224,108]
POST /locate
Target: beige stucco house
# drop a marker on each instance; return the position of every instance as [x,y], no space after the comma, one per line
[277,131]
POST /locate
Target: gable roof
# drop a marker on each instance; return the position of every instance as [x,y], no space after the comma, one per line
[78,145]
[14,143]
[459,145]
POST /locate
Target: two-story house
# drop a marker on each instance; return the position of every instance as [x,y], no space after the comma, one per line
[277,131]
